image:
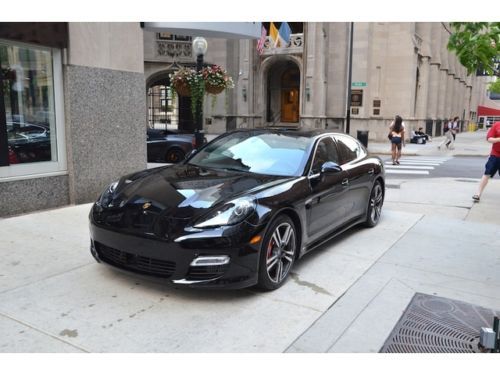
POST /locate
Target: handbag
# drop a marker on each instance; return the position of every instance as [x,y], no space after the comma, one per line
[390,135]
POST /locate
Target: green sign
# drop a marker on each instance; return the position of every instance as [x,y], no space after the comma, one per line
[358,84]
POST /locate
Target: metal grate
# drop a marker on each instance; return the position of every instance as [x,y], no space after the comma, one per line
[134,262]
[433,324]
[206,272]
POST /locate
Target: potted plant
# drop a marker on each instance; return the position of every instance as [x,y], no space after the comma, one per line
[211,79]
[216,79]
[181,79]
[187,82]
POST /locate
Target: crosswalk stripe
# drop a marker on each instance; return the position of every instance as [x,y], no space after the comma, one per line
[390,166]
[414,165]
[425,158]
[404,171]
[402,162]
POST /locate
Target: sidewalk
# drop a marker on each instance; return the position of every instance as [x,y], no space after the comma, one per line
[466,144]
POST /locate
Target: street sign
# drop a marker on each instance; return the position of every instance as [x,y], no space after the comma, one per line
[358,84]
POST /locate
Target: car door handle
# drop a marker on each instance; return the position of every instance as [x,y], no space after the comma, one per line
[345,182]
[371,171]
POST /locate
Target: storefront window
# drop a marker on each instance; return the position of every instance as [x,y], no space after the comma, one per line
[28,133]
[28,94]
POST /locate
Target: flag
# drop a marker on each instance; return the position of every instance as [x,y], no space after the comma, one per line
[273,33]
[261,41]
[284,34]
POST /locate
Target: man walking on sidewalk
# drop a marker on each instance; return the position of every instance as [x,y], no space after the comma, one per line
[493,164]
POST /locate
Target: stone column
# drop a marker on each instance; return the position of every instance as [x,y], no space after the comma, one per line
[105,105]
[314,80]
[433,96]
[423,90]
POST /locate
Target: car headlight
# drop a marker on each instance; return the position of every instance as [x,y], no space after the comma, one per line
[107,196]
[229,214]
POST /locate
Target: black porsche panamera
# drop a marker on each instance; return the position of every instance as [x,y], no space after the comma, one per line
[240,211]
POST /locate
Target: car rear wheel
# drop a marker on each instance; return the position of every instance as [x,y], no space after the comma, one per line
[375,205]
[174,155]
[277,253]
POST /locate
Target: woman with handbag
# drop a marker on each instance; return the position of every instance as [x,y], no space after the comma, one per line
[397,138]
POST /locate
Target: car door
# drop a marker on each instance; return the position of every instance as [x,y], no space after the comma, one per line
[326,205]
[156,145]
[359,174]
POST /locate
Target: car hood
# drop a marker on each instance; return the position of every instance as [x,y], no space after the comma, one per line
[185,191]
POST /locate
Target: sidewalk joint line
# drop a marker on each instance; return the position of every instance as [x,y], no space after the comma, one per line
[44,279]
[43,332]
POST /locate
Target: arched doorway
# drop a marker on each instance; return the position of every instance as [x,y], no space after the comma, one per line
[164,110]
[283,93]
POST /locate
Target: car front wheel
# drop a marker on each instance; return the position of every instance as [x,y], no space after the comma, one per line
[174,155]
[277,253]
[375,205]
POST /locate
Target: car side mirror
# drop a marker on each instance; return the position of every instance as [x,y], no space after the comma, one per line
[330,167]
[191,153]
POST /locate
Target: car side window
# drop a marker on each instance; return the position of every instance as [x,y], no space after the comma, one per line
[325,151]
[349,148]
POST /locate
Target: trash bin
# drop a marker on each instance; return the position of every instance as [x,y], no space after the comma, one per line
[363,137]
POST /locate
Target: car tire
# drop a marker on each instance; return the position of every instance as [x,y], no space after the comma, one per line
[278,253]
[174,155]
[375,204]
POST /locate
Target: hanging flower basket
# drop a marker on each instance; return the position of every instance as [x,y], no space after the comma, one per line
[212,89]
[182,88]
[182,81]
[216,79]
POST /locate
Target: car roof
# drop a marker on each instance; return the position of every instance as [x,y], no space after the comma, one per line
[315,133]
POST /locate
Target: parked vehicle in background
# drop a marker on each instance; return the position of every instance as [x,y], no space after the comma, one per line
[167,146]
[28,142]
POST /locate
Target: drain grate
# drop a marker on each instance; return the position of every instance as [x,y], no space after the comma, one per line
[433,324]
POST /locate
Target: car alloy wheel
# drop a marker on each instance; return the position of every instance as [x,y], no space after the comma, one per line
[375,205]
[174,156]
[278,253]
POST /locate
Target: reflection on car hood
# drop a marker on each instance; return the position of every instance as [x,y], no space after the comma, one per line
[184,191]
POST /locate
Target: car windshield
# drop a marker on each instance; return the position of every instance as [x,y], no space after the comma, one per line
[256,152]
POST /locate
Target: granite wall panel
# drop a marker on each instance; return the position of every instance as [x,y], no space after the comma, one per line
[106,127]
[17,197]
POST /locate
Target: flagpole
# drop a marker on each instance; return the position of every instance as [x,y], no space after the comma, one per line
[349,83]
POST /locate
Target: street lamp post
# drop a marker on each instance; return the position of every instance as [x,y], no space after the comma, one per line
[199,49]
[349,83]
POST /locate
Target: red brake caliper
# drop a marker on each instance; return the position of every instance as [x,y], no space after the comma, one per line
[269,248]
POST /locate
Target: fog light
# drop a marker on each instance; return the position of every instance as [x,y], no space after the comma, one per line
[210,261]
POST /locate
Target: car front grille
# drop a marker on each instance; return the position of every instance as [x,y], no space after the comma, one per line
[206,272]
[134,262]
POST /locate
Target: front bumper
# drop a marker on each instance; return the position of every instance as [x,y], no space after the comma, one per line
[171,260]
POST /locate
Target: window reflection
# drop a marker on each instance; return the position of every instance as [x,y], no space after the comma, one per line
[28,94]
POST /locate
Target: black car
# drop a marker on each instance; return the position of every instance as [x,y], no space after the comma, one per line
[240,211]
[28,142]
[166,146]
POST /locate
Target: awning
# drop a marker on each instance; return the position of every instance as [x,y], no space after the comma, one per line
[226,30]
[487,111]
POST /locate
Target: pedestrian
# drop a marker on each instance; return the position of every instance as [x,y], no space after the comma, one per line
[493,164]
[448,138]
[454,129]
[419,136]
[397,138]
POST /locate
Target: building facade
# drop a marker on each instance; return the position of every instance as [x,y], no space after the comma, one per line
[72,111]
[397,68]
